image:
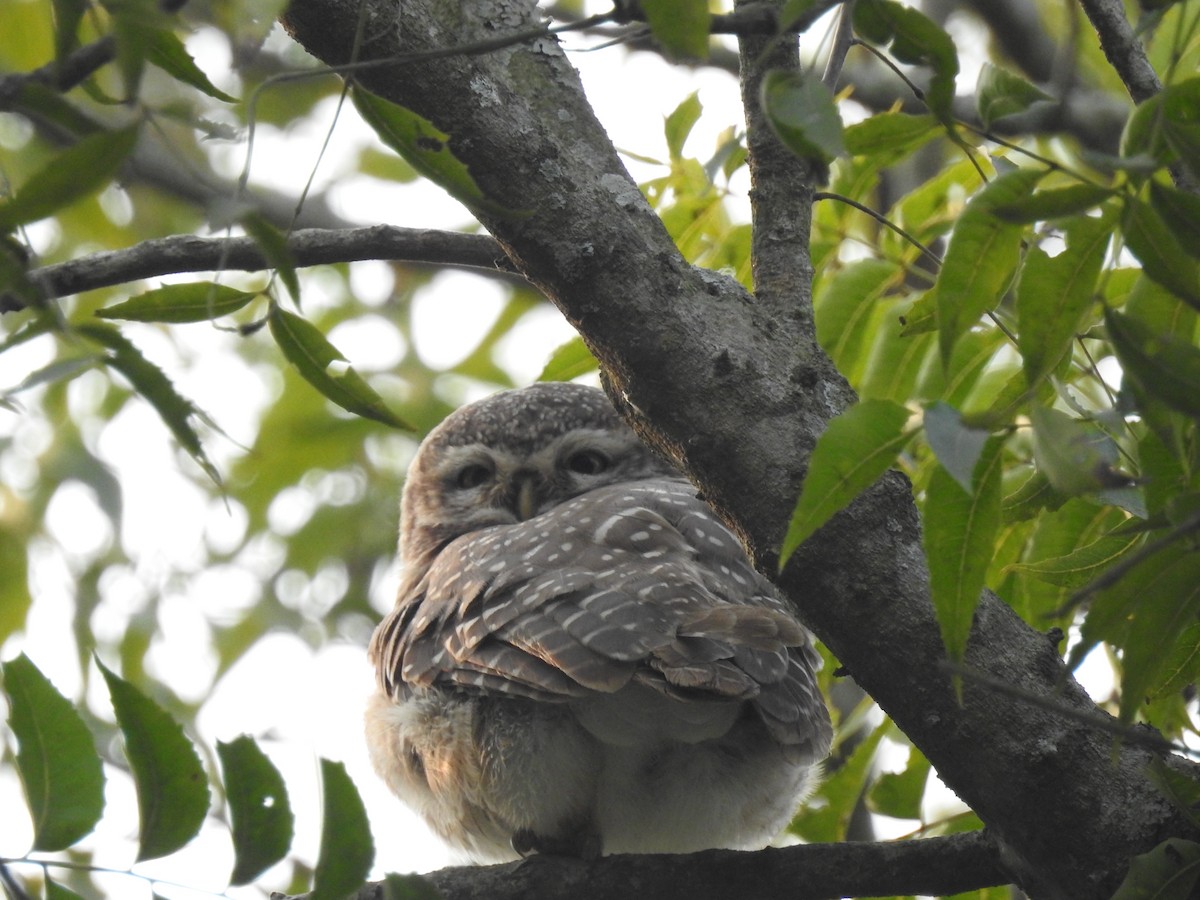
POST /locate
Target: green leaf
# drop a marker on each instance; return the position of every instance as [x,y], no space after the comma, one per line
[1181,122]
[1179,788]
[77,172]
[889,133]
[980,259]
[680,26]
[1181,213]
[915,39]
[67,16]
[1084,563]
[56,758]
[956,445]
[313,356]
[167,51]
[569,360]
[172,789]
[960,532]
[1164,366]
[802,113]
[273,244]
[347,850]
[680,122]
[1058,203]
[1075,455]
[856,449]
[1034,495]
[424,146]
[197,301]
[136,24]
[259,811]
[150,382]
[843,306]
[1160,252]
[840,792]
[1168,872]
[899,794]
[14,586]
[55,891]
[1000,93]
[1054,293]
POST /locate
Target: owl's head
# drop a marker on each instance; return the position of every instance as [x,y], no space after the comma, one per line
[512,456]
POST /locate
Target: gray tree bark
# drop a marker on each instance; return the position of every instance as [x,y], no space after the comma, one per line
[735,389]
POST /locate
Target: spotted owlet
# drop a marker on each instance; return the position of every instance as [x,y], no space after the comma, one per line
[581,659]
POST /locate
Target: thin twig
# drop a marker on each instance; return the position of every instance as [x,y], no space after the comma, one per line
[882,220]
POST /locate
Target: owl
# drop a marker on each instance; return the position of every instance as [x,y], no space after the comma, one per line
[581,659]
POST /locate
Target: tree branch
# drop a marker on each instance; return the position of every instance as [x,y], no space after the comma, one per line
[936,866]
[60,75]
[309,247]
[1122,48]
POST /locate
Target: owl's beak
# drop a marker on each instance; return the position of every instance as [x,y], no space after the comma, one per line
[525,498]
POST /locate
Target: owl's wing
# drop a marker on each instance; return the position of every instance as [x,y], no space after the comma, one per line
[635,583]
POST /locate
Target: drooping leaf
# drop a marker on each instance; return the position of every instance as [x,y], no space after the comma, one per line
[196,301]
[77,172]
[273,244]
[1181,213]
[259,811]
[981,258]
[681,26]
[857,447]
[347,849]
[679,123]
[956,445]
[569,360]
[1000,93]
[56,758]
[1057,203]
[914,39]
[1168,872]
[1160,251]
[150,383]
[424,146]
[1054,293]
[172,788]
[303,345]
[802,113]
[167,51]
[1164,366]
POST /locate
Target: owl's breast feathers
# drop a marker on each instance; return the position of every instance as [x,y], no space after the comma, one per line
[631,584]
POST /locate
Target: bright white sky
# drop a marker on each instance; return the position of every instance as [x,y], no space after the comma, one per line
[310,701]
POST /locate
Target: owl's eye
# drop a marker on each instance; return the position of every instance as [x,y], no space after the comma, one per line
[473,475]
[587,462]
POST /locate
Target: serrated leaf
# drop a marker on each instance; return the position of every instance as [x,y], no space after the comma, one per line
[273,244]
[569,360]
[980,259]
[889,133]
[1057,203]
[856,448]
[956,445]
[960,531]
[803,115]
[680,26]
[899,794]
[914,39]
[424,146]
[1160,252]
[1164,366]
[347,849]
[259,812]
[172,789]
[196,301]
[303,345]
[679,124]
[167,51]
[1168,872]
[77,172]
[1054,293]
[1083,564]
[1000,93]
[151,384]
[56,758]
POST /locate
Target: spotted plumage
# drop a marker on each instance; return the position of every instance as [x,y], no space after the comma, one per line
[581,658]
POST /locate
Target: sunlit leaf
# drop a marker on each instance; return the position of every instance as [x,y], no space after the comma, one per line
[259,811]
[1000,93]
[802,113]
[856,448]
[172,788]
[1160,251]
[569,360]
[318,361]
[914,39]
[843,305]
[15,598]
[960,529]
[347,849]
[956,445]
[56,758]
[77,172]
[679,124]
[681,26]
[193,302]
[1164,366]
[981,258]
[167,51]
[889,133]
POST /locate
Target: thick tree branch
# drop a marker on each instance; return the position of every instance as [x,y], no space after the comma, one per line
[1122,48]
[933,866]
[60,75]
[309,247]
[735,389]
